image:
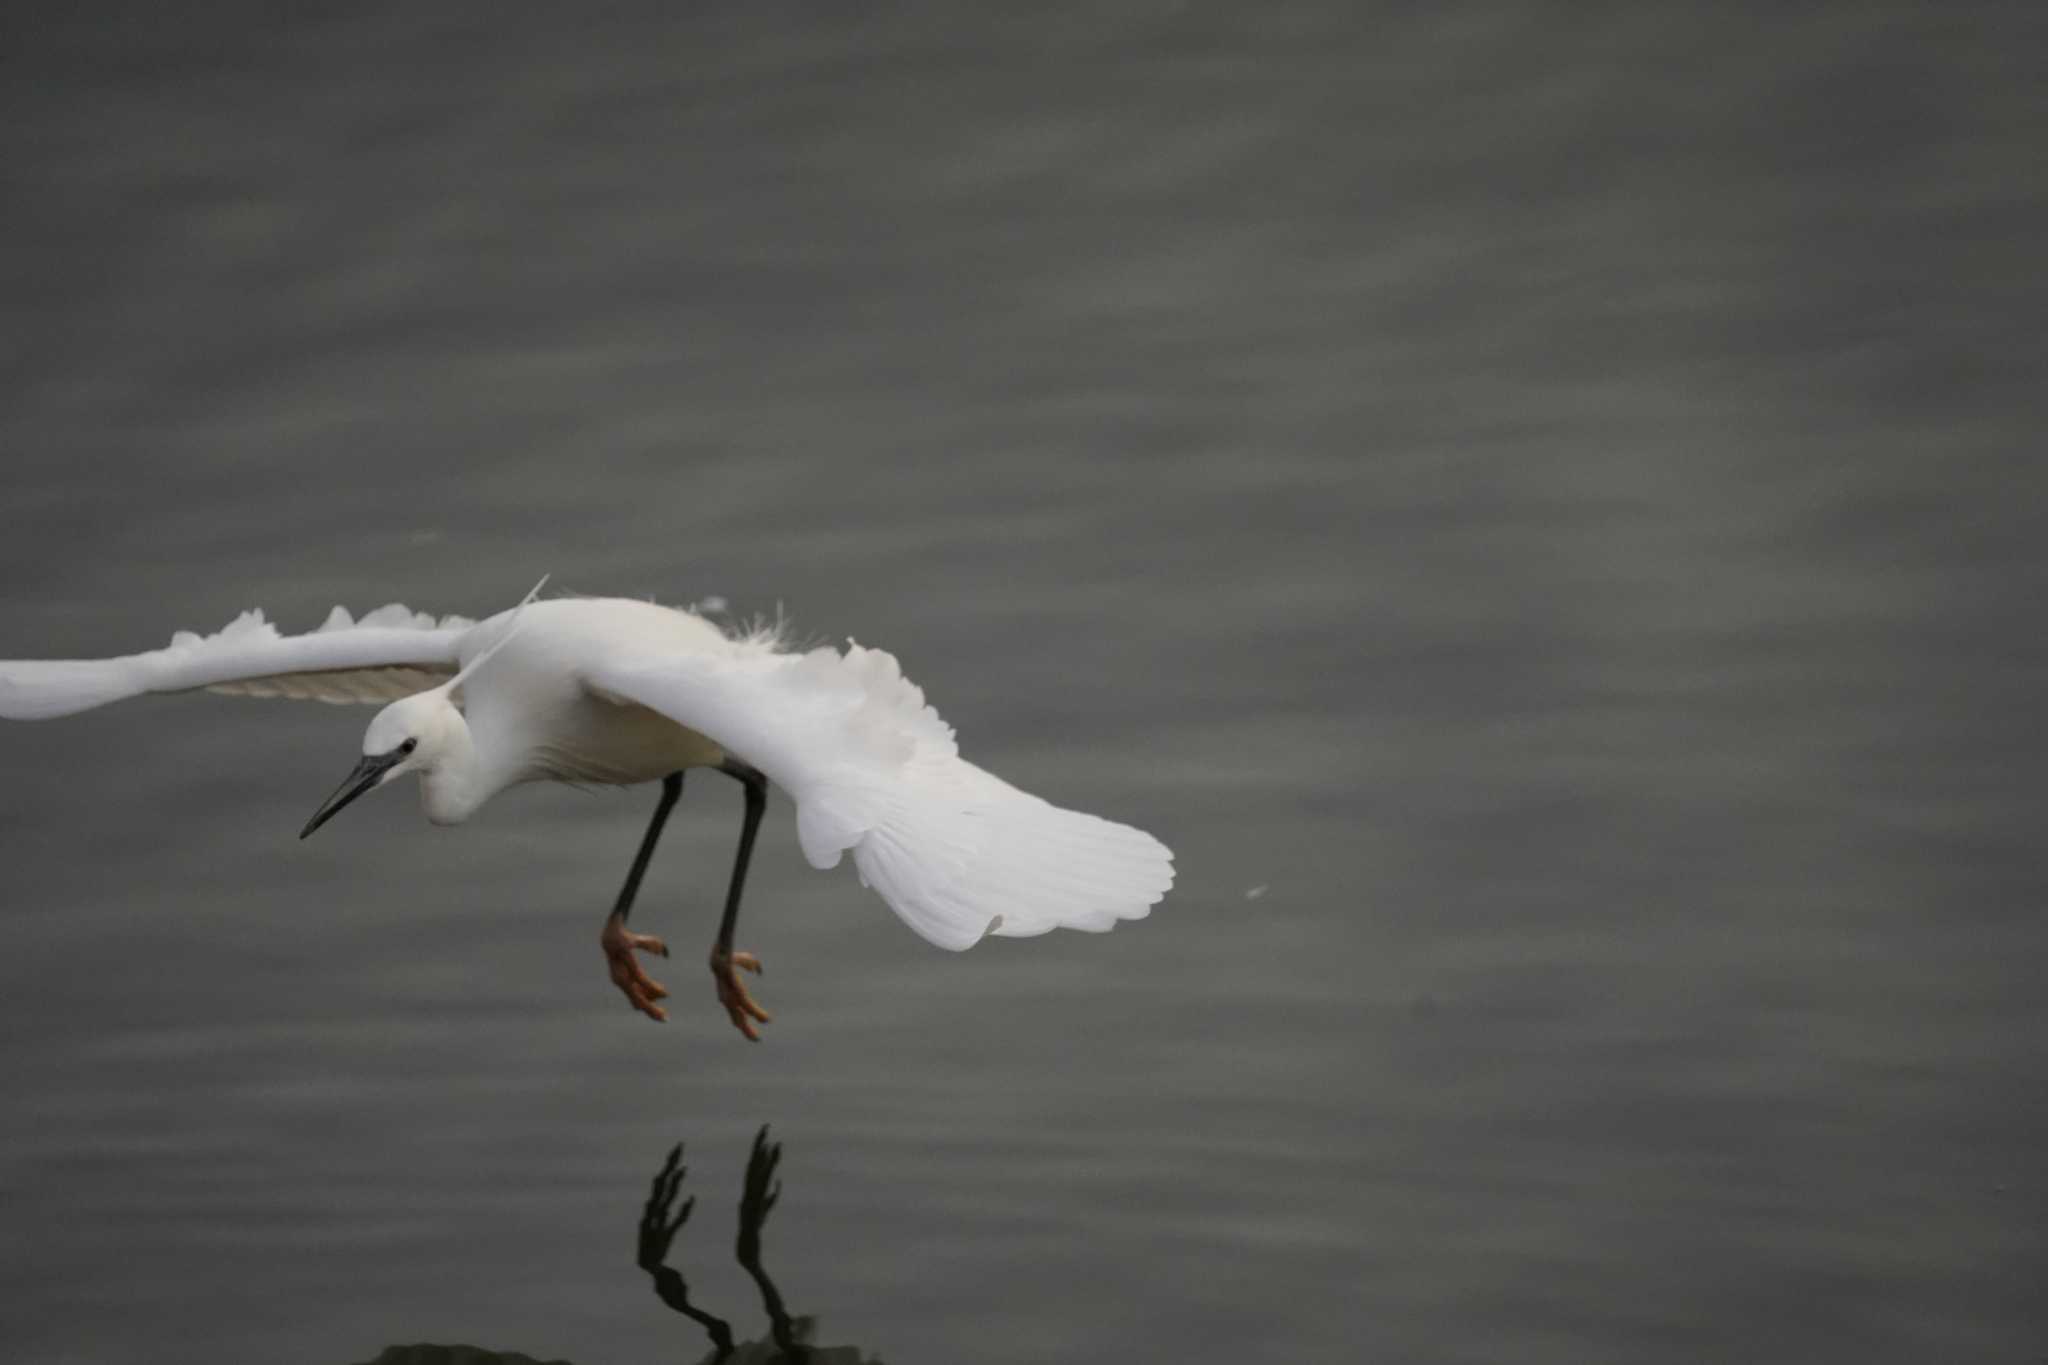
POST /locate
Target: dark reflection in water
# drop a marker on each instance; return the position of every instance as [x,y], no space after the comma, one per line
[662,1218]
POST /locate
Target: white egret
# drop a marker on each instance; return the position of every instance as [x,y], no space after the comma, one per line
[616,692]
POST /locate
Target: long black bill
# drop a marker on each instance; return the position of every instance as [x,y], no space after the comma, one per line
[355,784]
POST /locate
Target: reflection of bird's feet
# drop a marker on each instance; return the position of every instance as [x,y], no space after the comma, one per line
[640,989]
[742,1008]
[759,1196]
[660,1221]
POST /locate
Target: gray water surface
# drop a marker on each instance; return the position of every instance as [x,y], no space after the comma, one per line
[1538,508]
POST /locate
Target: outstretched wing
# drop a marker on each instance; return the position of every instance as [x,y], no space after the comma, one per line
[954,850]
[392,652]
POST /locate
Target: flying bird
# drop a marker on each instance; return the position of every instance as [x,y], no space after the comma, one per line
[608,691]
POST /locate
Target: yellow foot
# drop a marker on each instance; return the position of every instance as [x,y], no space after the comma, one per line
[640,989]
[738,1004]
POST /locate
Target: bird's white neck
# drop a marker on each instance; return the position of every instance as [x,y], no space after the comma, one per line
[454,784]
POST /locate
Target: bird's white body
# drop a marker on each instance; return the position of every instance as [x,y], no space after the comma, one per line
[609,691]
[532,716]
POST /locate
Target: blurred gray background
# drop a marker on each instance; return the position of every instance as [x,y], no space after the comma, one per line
[1548,495]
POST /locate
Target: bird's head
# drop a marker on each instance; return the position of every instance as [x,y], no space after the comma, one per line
[409,735]
[422,733]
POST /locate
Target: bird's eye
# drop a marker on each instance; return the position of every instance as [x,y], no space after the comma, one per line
[408,746]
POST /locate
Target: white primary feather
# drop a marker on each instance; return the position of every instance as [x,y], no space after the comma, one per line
[391,652]
[954,850]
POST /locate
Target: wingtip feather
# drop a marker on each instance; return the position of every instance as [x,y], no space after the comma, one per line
[1014,866]
[44,689]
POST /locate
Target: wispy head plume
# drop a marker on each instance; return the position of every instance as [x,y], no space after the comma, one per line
[511,629]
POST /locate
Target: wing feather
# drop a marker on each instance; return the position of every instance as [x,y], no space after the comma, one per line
[955,851]
[391,652]
[340,687]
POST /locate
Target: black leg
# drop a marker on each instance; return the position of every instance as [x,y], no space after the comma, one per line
[619,944]
[757,803]
[741,1007]
[671,792]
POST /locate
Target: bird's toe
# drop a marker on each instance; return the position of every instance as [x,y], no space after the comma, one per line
[740,1006]
[640,989]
